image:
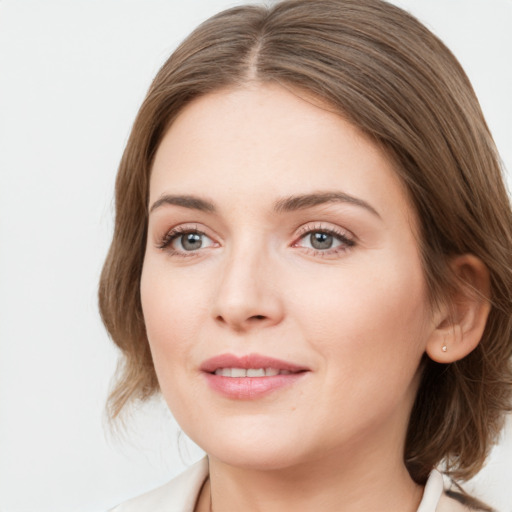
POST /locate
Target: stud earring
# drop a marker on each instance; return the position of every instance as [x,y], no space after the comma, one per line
[444,348]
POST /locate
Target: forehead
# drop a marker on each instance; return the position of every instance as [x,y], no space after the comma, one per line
[259,142]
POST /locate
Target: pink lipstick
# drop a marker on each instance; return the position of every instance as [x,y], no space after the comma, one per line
[251,376]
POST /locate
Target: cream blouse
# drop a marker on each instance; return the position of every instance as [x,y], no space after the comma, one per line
[181,493]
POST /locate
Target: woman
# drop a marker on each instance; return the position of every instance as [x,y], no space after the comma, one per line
[311,262]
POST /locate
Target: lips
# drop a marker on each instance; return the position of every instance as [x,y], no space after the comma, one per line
[251,376]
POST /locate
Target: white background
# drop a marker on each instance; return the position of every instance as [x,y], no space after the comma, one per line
[72,75]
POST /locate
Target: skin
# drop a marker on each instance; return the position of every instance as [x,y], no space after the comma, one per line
[356,315]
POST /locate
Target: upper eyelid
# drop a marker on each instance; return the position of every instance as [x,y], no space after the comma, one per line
[182,227]
[327,227]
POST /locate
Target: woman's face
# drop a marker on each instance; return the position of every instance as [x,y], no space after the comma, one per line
[282,287]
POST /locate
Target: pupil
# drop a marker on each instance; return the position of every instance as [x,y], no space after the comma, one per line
[321,240]
[191,241]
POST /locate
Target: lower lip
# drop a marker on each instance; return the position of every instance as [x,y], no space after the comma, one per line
[250,388]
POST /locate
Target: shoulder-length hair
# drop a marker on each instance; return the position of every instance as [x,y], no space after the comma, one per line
[383,71]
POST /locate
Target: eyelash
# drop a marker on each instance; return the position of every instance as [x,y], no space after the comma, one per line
[346,241]
[175,233]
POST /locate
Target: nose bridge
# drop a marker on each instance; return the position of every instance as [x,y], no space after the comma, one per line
[246,294]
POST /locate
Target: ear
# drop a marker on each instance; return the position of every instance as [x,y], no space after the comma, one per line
[460,322]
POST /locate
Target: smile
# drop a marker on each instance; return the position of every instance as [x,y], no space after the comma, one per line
[251,376]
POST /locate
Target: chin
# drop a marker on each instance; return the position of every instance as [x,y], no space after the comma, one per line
[255,448]
[257,458]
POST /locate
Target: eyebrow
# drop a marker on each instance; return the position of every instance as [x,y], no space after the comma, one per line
[302,202]
[287,204]
[192,202]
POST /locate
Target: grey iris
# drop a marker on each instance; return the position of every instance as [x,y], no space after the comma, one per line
[321,240]
[191,241]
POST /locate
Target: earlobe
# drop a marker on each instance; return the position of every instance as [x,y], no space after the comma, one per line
[461,321]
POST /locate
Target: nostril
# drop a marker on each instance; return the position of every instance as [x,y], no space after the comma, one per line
[258,317]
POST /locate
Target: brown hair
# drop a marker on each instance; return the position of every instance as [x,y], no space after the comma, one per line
[387,74]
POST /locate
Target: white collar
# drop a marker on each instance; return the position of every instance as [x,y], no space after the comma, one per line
[432,494]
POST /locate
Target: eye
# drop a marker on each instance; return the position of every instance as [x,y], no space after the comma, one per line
[183,240]
[325,241]
[191,241]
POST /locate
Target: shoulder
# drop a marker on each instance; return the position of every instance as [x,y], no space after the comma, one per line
[178,495]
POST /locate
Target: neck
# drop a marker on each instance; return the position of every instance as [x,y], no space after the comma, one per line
[368,482]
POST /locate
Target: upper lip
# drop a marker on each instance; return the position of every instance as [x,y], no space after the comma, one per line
[248,361]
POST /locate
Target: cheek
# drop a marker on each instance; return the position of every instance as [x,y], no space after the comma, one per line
[369,314]
[370,326]
[171,311]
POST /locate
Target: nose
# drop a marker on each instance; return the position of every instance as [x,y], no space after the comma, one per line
[248,295]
